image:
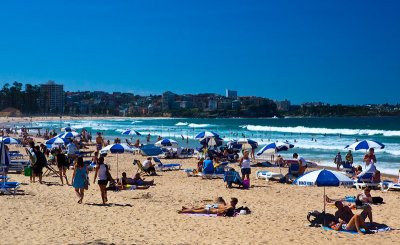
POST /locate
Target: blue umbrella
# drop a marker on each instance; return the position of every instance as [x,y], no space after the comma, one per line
[57,141]
[9,140]
[275,147]
[217,141]
[243,144]
[365,145]
[117,149]
[206,134]
[68,135]
[131,132]
[323,178]
[166,142]
[4,159]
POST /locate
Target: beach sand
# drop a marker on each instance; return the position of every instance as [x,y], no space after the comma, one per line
[49,213]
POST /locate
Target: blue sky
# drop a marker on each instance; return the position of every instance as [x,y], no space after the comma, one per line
[332,51]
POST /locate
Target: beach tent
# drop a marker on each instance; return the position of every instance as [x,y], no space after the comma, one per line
[275,147]
[117,149]
[150,150]
[323,178]
[365,145]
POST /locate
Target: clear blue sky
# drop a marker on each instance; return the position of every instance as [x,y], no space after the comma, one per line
[332,51]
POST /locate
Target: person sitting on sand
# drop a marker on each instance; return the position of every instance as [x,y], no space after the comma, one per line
[138,180]
[279,161]
[353,222]
[125,183]
[227,210]
[302,164]
[200,165]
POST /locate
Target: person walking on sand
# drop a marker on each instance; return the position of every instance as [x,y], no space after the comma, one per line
[244,164]
[338,160]
[62,165]
[79,179]
[102,172]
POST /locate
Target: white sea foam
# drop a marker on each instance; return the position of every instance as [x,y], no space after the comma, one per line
[194,125]
[309,130]
[181,124]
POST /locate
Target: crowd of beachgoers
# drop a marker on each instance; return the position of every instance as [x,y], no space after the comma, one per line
[83,161]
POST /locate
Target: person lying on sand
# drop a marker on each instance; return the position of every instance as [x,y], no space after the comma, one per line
[362,200]
[220,202]
[354,222]
[227,210]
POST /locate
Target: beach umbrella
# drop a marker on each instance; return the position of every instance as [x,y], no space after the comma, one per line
[117,149]
[275,147]
[212,141]
[131,132]
[67,129]
[4,160]
[68,135]
[243,144]
[56,141]
[365,145]
[9,140]
[323,178]
[166,142]
[206,134]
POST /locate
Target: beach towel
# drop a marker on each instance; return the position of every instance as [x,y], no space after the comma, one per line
[380,228]
[211,215]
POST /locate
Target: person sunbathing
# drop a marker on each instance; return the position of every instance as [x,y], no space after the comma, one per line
[220,202]
[139,181]
[361,200]
[352,222]
[227,210]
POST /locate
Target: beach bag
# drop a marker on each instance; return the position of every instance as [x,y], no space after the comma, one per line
[317,218]
[377,200]
[243,210]
[246,183]
[28,171]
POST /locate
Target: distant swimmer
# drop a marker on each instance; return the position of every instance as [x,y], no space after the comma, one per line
[356,140]
[295,140]
[340,135]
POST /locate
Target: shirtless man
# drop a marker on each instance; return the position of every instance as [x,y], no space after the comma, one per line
[99,142]
[354,221]
[362,201]
[221,210]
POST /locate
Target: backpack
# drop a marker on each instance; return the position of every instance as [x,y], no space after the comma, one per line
[316,218]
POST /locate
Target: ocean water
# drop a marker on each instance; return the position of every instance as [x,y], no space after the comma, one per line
[317,139]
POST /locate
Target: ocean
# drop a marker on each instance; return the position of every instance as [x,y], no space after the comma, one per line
[317,139]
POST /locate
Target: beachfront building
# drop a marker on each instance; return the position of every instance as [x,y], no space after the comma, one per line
[282,105]
[52,97]
[212,105]
[231,94]
[167,100]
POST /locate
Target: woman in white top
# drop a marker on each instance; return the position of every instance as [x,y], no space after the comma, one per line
[102,173]
[244,164]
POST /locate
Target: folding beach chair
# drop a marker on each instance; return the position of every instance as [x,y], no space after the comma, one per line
[162,167]
[390,185]
[232,177]
[140,170]
[365,180]
[267,175]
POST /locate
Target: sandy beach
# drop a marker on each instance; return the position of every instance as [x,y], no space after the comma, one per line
[49,214]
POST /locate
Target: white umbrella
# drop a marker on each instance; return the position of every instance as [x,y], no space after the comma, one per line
[117,149]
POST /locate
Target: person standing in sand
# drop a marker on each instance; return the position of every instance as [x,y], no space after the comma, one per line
[62,165]
[79,178]
[338,160]
[102,173]
[244,164]
[99,141]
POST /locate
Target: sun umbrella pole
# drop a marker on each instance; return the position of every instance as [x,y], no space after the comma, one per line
[324,200]
[117,165]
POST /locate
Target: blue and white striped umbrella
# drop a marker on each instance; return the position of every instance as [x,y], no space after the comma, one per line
[212,141]
[274,147]
[243,144]
[131,132]
[9,140]
[166,142]
[117,149]
[365,145]
[68,129]
[324,178]
[206,134]
[57,141]
[68,135]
